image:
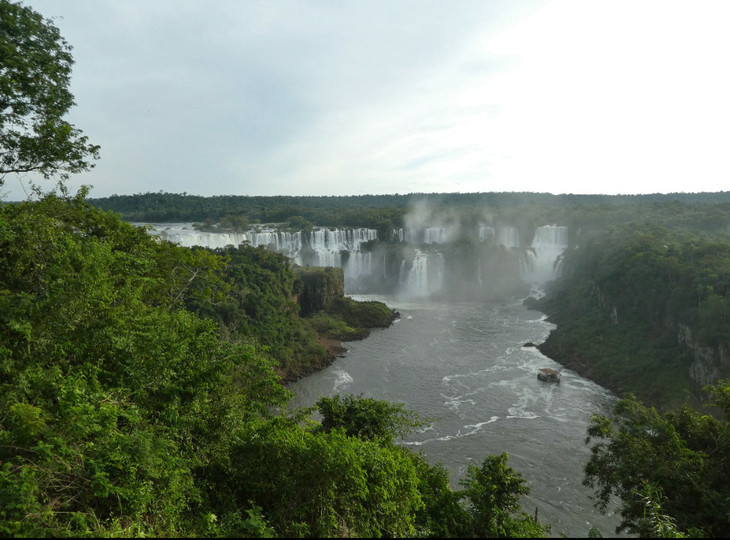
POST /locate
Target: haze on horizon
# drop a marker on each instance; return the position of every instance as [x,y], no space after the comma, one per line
[346,98]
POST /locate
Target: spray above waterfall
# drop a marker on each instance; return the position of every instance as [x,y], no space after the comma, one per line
[439,252]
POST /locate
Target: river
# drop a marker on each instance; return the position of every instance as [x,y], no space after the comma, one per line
[466,367]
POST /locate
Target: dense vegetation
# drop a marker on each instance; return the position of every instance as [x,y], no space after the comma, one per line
[640,308]
[360,210]
[669,469]
[139,396]
[140,382]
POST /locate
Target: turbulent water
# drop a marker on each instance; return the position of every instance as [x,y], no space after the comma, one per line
[466,367]
[463,365]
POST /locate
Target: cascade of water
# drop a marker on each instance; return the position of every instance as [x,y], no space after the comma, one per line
[420,277]
[415,281]
[486,232]
[427,235]
[508,236]
[286,243]
[184,235]
[358,265]
[411,236]
[424,277]
[435,235]
[327,244]
[543,259]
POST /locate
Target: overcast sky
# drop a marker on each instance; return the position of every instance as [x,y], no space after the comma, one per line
[267,97]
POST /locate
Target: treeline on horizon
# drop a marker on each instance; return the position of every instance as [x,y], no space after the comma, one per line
[365,210]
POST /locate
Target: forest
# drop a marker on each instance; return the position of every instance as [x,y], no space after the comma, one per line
[230,212]
[142,395]
[142,384]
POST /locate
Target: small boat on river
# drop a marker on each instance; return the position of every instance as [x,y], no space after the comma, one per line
[548,375]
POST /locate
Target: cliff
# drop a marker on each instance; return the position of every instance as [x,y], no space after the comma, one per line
[645,311]
[334,317]
[319,288]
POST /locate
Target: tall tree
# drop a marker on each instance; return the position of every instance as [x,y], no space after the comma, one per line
[669,469]
[35,73]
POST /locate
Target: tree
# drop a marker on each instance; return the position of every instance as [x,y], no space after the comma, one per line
[367,418]
[492,493]
[668,469]
[35,71]
[115,401]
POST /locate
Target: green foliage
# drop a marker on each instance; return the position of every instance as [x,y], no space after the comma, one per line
[492,492]
[386,212]
[258,305]
[655,523]
[330,327]
[629,295]
[367,418]
[369,314]
[443,514]
[348,320]
[673,464]
[111,395]
[322,484]
[299,223]
[35,69]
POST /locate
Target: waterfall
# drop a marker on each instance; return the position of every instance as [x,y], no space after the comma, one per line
[358,270]
[327,244]
[424,277]
[184,235]
[287,243]
[486,232]
[543,258]
[421,273]
[508,236]
[426,235]
[435,235]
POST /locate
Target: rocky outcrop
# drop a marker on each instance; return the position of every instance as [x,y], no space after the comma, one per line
[320,288]
[708,363]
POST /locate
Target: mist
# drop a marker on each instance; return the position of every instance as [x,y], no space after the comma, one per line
[451,254]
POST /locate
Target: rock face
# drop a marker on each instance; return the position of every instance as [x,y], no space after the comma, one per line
[321,287]
[548,375]
[709,364]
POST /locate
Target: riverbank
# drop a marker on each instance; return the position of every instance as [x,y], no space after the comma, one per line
[342,319]
[461,365]
[624,358]
[334,348]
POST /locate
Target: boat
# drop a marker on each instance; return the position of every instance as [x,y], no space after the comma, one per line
[548,375]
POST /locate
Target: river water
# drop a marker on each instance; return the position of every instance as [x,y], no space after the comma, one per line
[466,367]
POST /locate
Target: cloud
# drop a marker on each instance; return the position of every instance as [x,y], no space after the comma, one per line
[330,98]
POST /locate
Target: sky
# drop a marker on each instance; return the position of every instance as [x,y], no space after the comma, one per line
[325,97]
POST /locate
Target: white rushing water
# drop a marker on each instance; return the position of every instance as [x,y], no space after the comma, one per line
[465,367]
[420,264]
[544,256]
